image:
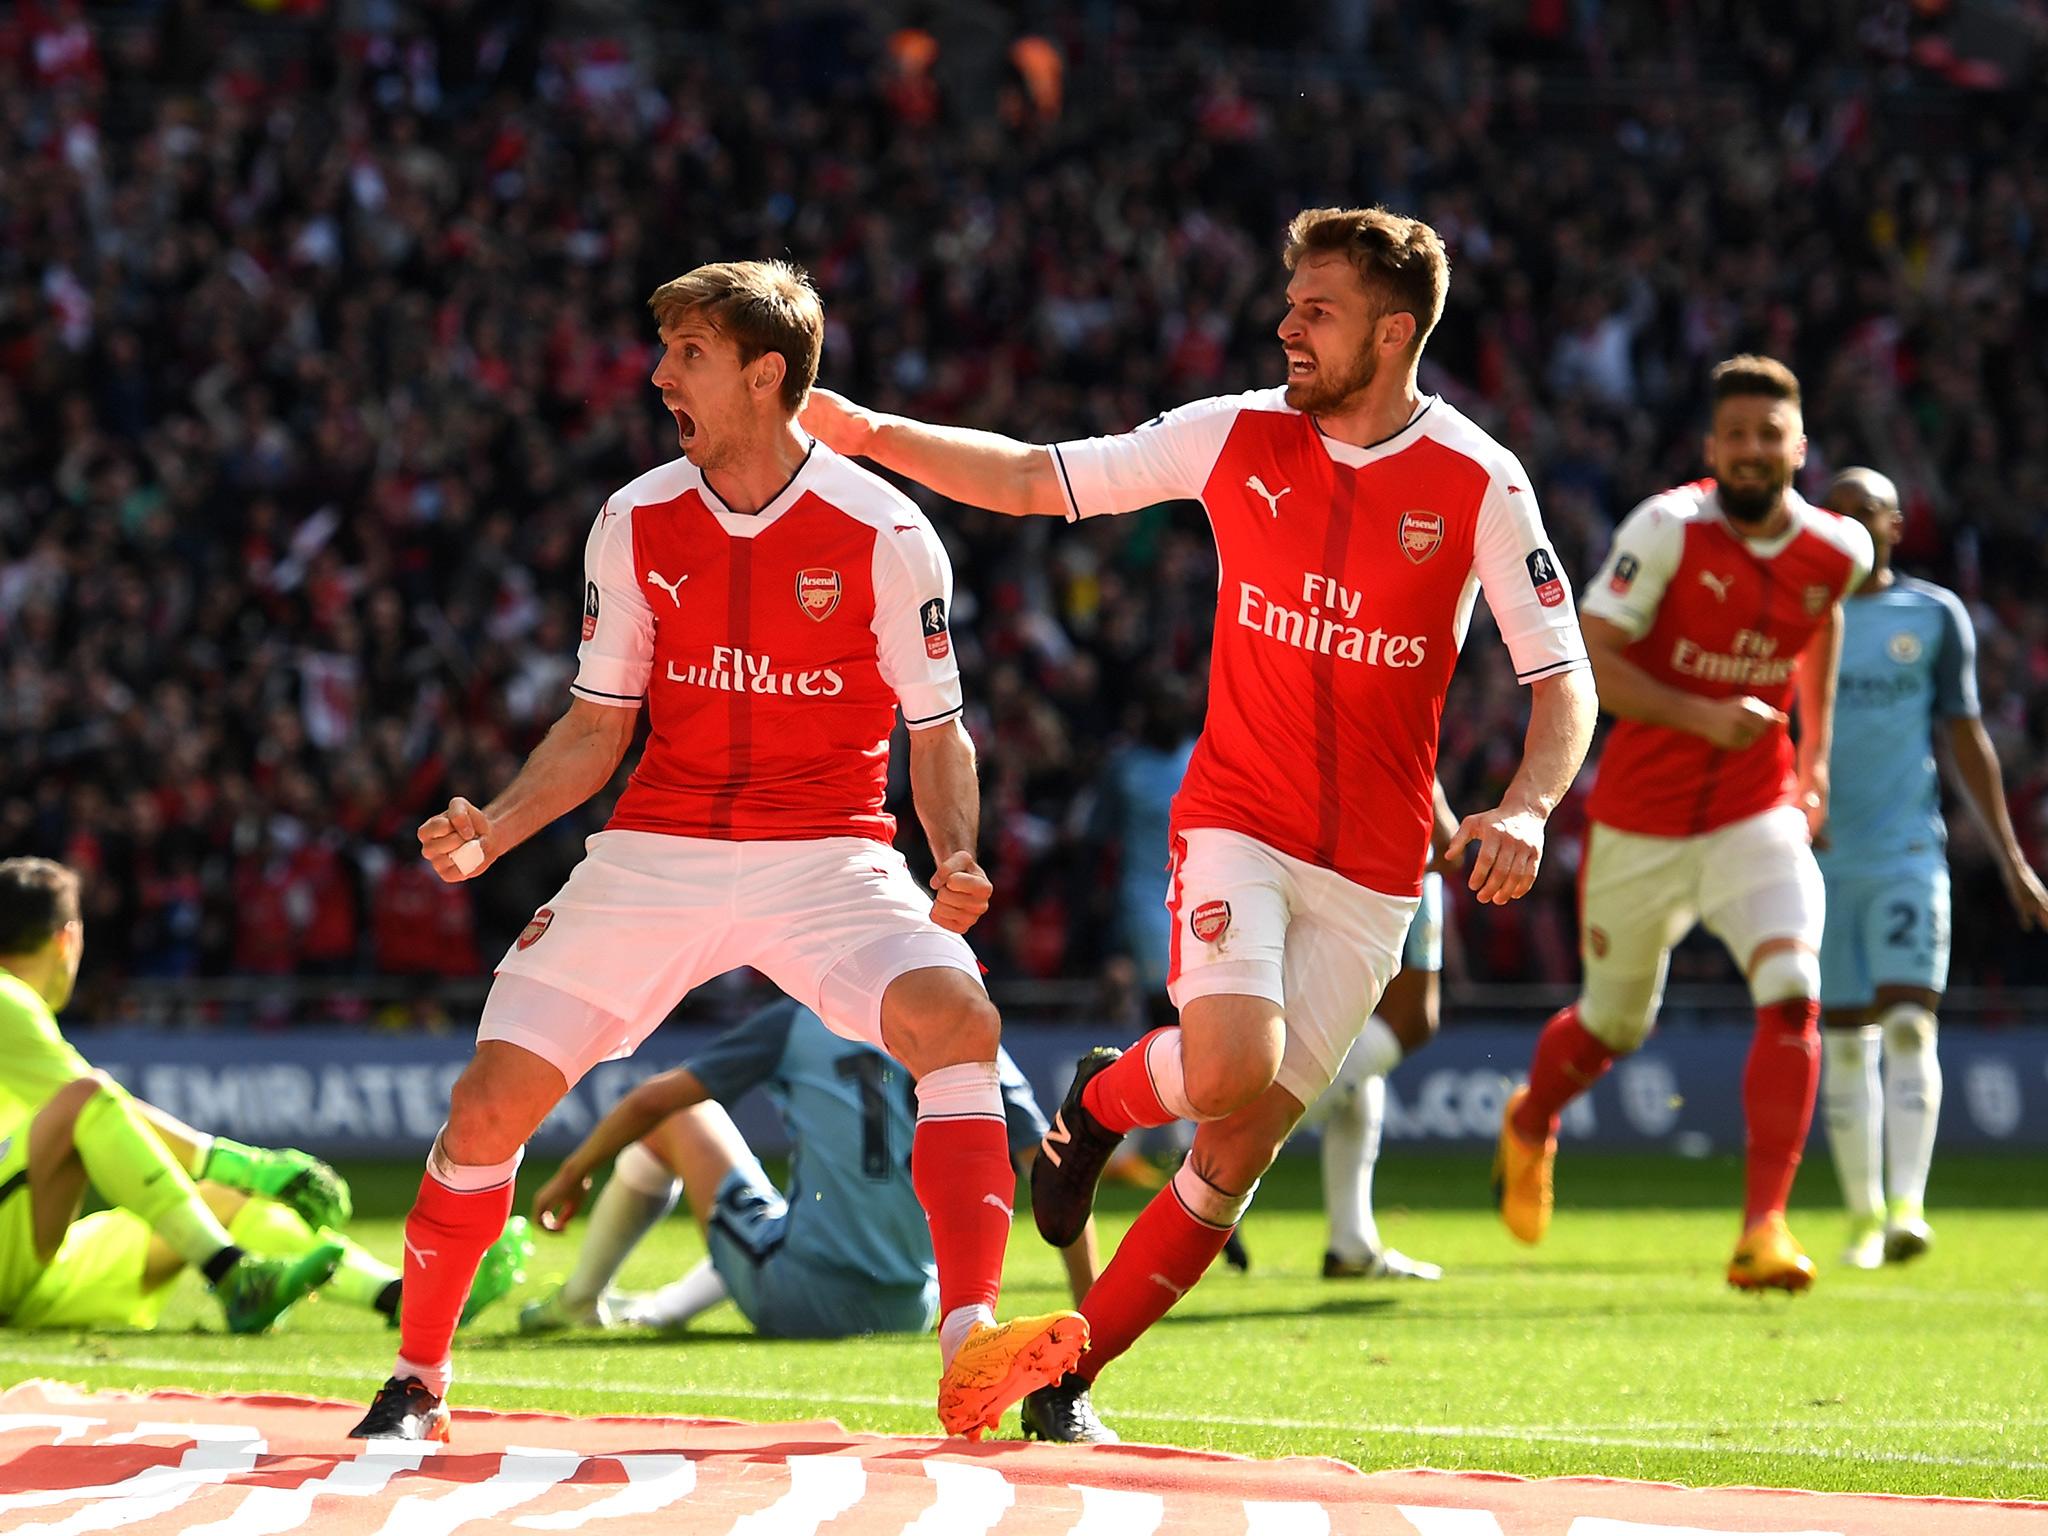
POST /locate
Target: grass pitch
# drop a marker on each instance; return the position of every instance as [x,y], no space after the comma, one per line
[1614,1349]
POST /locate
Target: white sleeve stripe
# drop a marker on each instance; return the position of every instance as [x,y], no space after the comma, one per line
[939,719]
[1551,670]
[598,693]
[1066,485]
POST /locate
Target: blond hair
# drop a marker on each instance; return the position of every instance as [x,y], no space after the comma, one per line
[761,306]
[1400,260]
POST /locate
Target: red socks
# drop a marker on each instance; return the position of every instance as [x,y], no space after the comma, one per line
[445,1239]
[1166,1251]
[960,1168]
[1122,1096]
[1778,1087]
[1567,1062]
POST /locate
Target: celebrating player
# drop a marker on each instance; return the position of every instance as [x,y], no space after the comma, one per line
[772,605]
[1354,519]
[1352,1112]
[62,1124]
[1909,659]
[845,1251]
[1717,600]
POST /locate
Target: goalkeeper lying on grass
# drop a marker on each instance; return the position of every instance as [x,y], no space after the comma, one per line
[258,1223]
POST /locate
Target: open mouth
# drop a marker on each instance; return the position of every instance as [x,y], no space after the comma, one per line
[686,425]
[1299,367]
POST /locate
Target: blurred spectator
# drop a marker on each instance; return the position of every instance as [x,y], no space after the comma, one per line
[322,337]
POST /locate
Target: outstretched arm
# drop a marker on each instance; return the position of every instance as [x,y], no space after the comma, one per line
[1977,767]
[1562,710]
[1082,1257]
[630,1119]
[982,469]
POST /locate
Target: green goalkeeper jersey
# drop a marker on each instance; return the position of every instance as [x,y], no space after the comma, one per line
[35,1058]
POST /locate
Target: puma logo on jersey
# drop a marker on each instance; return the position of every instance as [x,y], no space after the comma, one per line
[1166,1284]
[672,588]
[1718,585]
[419,1256]
[1271,498]
[997,1202]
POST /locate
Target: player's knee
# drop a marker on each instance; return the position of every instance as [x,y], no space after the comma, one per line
[67,1101]
[1784,973]
[1908,1029]
[1620,1026]
[1218,1089]
[975,1028]
[963,1026]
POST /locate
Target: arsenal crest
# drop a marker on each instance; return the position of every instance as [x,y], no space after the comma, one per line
[1816,601]
[1422,534]
[1210,921]
[530,934]
[817,592]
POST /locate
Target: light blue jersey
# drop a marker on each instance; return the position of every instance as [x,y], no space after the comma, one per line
[1909,659]
[1423,950]
[850,1112]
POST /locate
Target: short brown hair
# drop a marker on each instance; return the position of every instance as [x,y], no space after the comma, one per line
[1751,373]
[37,897]
[1400,261]
[763,306]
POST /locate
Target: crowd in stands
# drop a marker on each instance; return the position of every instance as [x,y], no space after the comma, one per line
[323,336]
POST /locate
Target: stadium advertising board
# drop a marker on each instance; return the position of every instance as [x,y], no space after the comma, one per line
[362,1094]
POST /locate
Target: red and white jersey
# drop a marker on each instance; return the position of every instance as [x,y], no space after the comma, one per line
[772,650]
[1347,582]
[1720,615]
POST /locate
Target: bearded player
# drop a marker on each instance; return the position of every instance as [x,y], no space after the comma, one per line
[1909,665]
[1717,603]
[1356,521]
[773,607]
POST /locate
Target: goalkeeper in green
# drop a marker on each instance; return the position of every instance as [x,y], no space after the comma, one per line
[259,1224]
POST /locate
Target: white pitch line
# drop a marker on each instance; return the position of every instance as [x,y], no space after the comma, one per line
[1515,1433]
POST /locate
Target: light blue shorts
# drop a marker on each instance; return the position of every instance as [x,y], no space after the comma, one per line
[784,1295]
[1884,930]
[1424,949]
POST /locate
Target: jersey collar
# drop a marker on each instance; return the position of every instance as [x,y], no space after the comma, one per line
[742,525]
[1357,458]
[1763,549]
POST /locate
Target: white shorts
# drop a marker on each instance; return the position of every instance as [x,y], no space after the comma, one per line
[1750,882]
[647,916]
[1251,921]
